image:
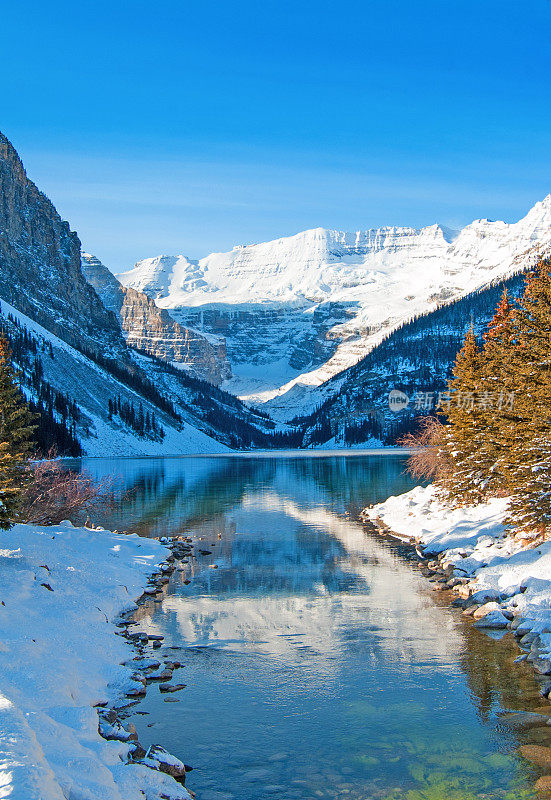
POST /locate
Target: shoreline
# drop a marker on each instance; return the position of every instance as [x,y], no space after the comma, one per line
[473,560]
[391,450]
[66,676]
[149,670]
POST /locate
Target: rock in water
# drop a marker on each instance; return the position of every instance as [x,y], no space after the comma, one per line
[522,719]
[538,755]
[494,619]
[171,687]
[159,758]
[543,784]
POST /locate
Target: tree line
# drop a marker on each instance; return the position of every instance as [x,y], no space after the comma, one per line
[416,358]
[143,423]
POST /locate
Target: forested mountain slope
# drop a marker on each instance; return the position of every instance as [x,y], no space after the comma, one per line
[416,359]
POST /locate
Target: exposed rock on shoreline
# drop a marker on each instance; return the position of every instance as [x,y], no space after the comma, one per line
[77,674]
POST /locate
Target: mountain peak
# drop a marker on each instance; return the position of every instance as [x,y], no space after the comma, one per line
[539,215]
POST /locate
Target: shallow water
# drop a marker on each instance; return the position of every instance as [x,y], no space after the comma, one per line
[319,663]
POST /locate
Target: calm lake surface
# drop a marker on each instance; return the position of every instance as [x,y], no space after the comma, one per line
[319,663]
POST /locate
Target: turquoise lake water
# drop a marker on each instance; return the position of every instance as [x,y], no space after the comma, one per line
[319,662]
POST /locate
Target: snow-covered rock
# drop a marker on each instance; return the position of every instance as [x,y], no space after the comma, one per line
[60,657]
[509,584]
[494,620]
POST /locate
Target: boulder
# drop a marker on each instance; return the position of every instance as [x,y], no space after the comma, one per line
[483,596]
[542,665]
[481,611]
[159,758]
[494,620]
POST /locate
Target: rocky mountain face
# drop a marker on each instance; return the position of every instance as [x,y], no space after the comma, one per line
[297,311]
[110,396]
[40,270]
[152,330]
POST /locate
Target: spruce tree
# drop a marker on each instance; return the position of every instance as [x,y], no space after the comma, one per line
[461,440]
[530,428]
[495,398]
[16,430]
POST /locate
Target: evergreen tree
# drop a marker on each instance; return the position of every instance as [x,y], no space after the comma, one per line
[16,431]
[495,398]
[529,430]
[461,440]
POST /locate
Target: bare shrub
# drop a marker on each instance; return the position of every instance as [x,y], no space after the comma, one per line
[428,459]
[55,493]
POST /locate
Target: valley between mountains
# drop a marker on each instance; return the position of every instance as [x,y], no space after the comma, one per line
[290,343]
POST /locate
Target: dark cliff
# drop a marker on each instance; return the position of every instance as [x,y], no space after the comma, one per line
[40,269]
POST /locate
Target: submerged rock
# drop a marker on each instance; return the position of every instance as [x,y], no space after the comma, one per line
[543,784]
[171,687]
[538,755]
[522,719]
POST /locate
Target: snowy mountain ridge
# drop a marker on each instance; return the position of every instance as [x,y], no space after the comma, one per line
[299,267]
[298,310]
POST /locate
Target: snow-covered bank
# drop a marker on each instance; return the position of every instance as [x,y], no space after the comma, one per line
[503,583]
[62,590]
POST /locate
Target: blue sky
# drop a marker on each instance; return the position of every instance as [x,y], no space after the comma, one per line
[177,127]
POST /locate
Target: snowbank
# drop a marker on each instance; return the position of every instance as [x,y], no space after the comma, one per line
[503,583]
[62,589]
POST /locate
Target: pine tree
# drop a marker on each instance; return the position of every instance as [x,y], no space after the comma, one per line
[16,430]
[495,398]
[530,428]
[462,438]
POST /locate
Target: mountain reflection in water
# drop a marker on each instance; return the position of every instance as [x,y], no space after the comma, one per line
[318,662]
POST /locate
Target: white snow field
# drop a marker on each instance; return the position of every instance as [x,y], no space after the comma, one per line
[331,292]
[509,580]
[60,656]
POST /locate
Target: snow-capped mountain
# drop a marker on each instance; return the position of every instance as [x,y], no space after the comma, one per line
[296,311]
[151,329]
[105,369]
